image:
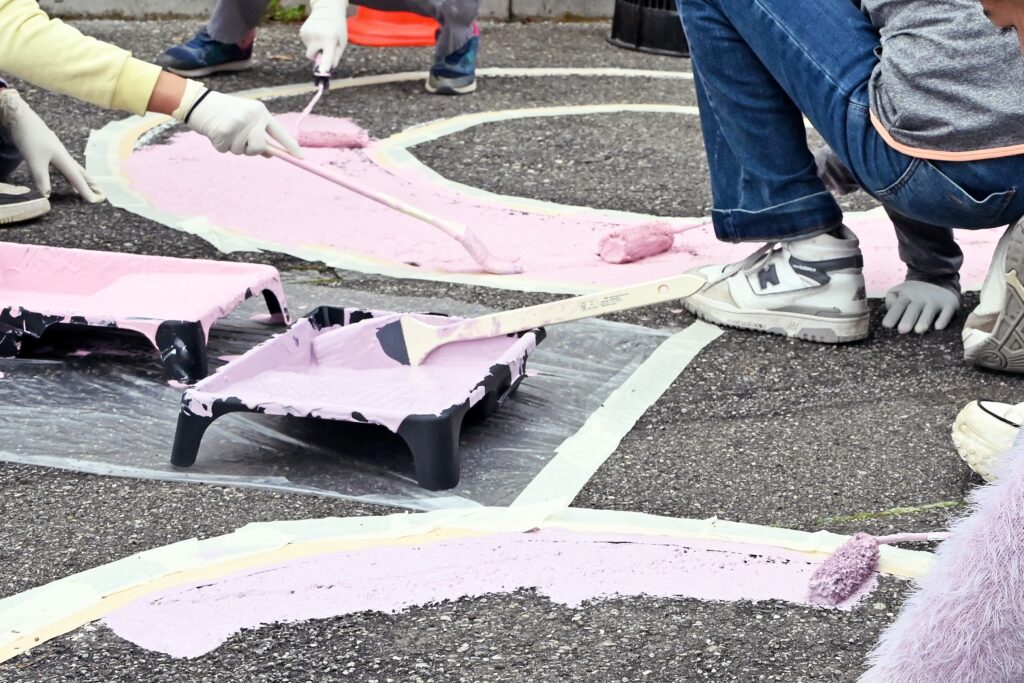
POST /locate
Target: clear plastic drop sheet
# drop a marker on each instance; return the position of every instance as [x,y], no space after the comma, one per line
[101,405]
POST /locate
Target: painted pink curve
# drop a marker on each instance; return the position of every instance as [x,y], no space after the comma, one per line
[570,568]
[294,210]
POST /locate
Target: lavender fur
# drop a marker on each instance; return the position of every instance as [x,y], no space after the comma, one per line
[964,621]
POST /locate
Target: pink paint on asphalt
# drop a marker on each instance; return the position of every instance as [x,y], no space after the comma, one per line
[292,209]
[569,568]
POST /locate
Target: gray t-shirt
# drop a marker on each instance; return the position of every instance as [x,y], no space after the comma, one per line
[948,80]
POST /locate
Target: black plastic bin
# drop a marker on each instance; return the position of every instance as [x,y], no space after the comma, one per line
[649,26]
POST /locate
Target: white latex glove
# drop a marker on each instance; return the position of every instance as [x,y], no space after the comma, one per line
[233,124]
[325,32]
[40,148]
[919,306]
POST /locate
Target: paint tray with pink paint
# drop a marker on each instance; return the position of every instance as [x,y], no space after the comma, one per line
[172,302]
[330,365]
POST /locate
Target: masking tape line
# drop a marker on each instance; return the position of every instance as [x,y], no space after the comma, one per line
[31,618]
[394,152]
[579,457]
[295,89]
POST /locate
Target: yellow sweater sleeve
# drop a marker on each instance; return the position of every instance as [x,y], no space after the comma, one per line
[50,54]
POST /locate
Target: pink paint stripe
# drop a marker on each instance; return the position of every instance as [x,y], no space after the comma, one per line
[559,249]
[569,568]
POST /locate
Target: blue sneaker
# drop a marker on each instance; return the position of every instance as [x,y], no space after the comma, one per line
[455,74]
[203,56]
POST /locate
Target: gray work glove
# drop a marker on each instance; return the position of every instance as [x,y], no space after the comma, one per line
[915,306]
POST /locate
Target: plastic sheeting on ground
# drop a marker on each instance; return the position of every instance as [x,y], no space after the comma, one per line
[100,405]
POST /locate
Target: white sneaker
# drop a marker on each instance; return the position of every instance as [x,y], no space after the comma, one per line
[994,332]
[810,289]
[984,431]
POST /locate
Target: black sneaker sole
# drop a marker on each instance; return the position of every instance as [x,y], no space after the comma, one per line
[226,67]
[1004,348]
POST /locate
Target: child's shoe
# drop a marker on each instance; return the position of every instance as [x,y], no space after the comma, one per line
[202,56]
[455,74]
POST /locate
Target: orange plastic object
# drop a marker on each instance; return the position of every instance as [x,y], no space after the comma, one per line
[375,28]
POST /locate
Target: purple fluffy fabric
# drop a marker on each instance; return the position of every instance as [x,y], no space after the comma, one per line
[965,620]
[845,572]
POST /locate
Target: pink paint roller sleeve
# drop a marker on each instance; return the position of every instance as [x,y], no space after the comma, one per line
[641,241]
[846,570]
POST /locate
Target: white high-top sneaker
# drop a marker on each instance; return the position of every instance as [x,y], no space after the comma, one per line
[994,332]
[984,431]
[810,289]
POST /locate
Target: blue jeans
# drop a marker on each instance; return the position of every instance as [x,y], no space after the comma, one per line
[232,21]
[758,66]
[10,157]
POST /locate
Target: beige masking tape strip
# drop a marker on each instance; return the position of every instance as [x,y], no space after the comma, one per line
[894,561]
[393,152]
[294,89]
[31,618]
[578,457]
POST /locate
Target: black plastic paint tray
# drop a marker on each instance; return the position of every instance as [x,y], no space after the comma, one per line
[329,365]
[171,302]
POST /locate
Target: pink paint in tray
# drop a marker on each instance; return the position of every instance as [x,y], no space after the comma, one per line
[172,302]
[330,365]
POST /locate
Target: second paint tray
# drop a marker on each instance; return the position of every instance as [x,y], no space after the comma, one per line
[329,365]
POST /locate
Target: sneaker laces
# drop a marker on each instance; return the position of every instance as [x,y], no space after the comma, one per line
[751,263]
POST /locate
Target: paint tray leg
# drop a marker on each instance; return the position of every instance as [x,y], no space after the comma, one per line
[434,442]
[182,348]
[10,342]
[187,438]
[275,306]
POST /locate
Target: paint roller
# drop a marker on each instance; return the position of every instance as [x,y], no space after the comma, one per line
[460,233]
[641,241]
[410,341]
[323,136]
[845,571]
